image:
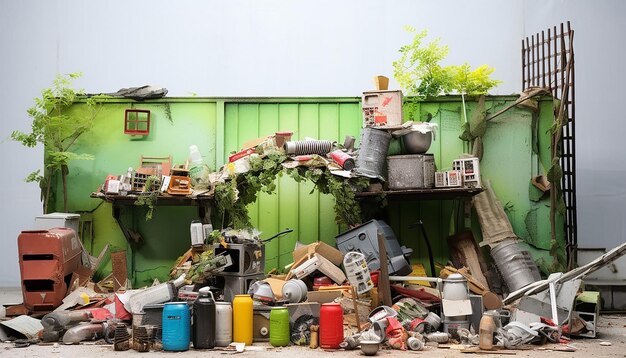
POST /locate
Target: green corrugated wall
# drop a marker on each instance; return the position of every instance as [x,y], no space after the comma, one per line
[220,126]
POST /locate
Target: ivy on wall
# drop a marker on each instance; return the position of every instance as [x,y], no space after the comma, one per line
[233,196]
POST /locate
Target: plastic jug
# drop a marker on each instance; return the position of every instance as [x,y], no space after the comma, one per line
[176,326]
[279,327]
[331,325]
[204,320]
[198,170]
[242,319]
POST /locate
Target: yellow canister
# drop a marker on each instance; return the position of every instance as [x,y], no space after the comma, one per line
[242,319]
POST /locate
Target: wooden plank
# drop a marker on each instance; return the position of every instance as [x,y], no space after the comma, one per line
[383,280]
[465,252]
[118,267]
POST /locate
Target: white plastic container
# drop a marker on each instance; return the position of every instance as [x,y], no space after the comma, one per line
[197,233]
[470,171]
[198,170]
[156,294]
[357,272]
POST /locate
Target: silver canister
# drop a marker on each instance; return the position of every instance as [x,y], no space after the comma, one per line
[223,324]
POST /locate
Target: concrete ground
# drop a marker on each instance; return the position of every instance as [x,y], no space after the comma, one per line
[612,329]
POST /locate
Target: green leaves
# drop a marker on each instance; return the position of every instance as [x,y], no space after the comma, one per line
[419,72]
[233,196]
[55,129]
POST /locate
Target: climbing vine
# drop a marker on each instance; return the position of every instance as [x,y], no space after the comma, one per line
[233,196]
[149,196]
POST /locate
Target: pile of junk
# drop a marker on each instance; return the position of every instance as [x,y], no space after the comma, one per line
[359,292]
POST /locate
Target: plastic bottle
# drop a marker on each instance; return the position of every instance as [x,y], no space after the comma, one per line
[242,319]
[204,320]
[485,330]
[198,170]
[279,327]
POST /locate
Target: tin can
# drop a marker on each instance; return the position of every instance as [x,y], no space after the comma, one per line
[223,324]
[343,159]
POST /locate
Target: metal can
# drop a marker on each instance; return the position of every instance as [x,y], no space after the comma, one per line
[343,159]
[223,324]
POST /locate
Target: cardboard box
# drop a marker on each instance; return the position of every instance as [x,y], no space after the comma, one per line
[322,297]
[277,286]
[382,108]
[323,249]
[329,269]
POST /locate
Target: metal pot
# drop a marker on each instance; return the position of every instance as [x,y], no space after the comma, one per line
[416,142]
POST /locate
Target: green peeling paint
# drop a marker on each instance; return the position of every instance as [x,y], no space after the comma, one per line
[220,126]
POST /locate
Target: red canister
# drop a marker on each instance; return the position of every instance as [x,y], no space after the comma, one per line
[343,159]
[321,282]
[331,325]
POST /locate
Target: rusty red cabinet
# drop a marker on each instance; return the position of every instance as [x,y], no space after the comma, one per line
[47,260]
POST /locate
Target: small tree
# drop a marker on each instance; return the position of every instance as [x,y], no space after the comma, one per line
[57,131]
[420,73]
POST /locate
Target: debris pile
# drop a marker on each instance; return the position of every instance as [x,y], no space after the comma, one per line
[360,292]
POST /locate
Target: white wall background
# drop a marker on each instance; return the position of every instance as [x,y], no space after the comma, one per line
[298,48]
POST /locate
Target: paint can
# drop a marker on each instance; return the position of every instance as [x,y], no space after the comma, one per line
[303,147]
[223,324]
[294,290]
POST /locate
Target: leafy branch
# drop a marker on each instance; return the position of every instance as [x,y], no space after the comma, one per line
[232,197]
[420,74]
[53,127]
